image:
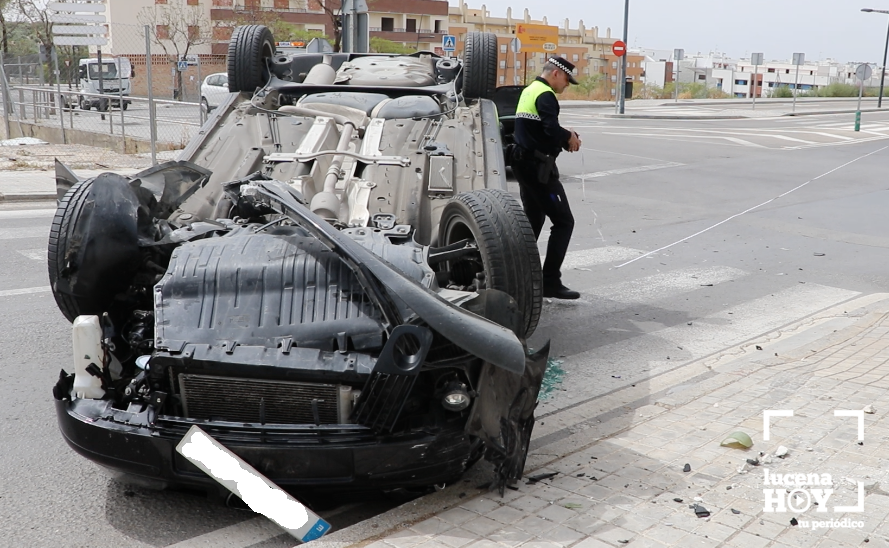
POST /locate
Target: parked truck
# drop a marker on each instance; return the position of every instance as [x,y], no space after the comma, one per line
[115,72]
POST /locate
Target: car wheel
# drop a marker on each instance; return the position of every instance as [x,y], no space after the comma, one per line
[93,248]
[125,105]
[103,105]
[205,105]
[507,249]
[480,65]
[248,49]
[84,104]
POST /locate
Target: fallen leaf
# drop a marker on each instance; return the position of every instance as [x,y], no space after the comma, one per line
[737,439]
[572,505]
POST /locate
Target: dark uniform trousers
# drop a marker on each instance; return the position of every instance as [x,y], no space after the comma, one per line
[542,199]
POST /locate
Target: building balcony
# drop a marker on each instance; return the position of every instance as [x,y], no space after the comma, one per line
[421,31]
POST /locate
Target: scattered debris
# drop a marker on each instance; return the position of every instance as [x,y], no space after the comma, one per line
[869,409]
[686,468]
[698,499]
[706,285]
[615,376]
[572,505]
[861,443]
[541,477]
[781,452]
[753,462]
[819,254]
[758,347]
[735,511]
[581,475]
[701,512]
[677,499]
[766,459]
[736,439]
[625,541]
[809,449]
[793,521]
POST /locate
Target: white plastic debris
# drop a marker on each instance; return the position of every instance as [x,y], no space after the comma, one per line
[21,141]
[780,451]
[869,409]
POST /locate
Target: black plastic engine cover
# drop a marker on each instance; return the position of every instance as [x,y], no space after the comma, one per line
[262,290]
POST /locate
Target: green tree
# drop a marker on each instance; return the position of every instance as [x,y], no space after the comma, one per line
[589,83]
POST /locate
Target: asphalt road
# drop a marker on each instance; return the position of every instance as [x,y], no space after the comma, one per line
[691,236]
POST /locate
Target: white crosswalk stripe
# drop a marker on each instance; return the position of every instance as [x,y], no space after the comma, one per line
[27,214]
[24,232]
[34,254]
[662,285]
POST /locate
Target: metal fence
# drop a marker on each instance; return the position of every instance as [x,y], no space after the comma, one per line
[155,114]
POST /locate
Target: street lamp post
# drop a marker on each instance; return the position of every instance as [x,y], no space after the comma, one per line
[885,50]
[622,78]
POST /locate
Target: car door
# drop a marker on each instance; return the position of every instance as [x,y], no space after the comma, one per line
[217,89]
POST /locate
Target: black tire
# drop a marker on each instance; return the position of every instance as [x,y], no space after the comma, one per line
[62,228]
[126,105]
[103,105]
[480,65]
[248,49]
[495,220]
[205,105]
[84,104]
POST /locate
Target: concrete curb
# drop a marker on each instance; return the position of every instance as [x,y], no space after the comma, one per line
[28,197]
[833,112]
[860,310]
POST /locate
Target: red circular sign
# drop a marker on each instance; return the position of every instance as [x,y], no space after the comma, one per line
[619,48]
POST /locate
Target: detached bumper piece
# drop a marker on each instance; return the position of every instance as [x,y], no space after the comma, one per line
[393,378]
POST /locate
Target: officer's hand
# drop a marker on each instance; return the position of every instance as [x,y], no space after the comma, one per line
[574,142]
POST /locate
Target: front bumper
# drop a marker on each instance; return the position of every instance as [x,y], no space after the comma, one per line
[297,457]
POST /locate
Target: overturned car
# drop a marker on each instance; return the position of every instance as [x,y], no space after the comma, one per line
[332,281]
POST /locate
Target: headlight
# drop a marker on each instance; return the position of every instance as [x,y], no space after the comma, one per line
[456,398]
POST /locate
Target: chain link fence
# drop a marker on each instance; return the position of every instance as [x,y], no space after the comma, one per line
[140,107]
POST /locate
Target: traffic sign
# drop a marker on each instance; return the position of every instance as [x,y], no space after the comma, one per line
[515,45]
[619,48]
[449,42]
[756,59]
[537,38]
[182,66]
[83,29]
[863,72]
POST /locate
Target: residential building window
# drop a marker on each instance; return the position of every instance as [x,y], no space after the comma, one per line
[160,1]
[387,24]
[163,32]
[192,2]
[411,25]
[614,64]
[702,76]
[502,64]
[502,78]
[575,57]
[543,58]
[613,78]
[502,48]
[586,70]
[222,3]
[437,26]
[531,64]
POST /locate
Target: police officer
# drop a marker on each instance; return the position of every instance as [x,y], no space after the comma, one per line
[539,139]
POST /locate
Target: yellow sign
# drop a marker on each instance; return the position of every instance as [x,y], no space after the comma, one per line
[537,38]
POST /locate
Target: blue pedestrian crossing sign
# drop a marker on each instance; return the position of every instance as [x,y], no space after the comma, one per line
[182,66]
[449,42]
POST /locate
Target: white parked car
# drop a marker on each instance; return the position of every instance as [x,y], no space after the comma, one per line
[214,90]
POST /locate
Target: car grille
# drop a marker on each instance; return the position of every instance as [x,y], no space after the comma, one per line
[258,400]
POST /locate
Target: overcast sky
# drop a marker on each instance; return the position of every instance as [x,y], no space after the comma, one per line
[776,28]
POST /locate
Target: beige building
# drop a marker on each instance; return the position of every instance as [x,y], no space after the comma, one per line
[582,46]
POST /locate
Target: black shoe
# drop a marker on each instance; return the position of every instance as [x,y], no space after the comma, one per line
[559,292]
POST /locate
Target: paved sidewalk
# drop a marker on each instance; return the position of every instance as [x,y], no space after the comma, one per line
[38,185]
[619,461]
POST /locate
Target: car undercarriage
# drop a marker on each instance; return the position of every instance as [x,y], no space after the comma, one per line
[332,281]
